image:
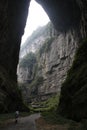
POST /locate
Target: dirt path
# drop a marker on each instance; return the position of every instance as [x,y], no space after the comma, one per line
[25,123]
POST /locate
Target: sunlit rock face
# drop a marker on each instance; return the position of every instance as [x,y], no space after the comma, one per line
[37,39]
[33,44]
[55,63]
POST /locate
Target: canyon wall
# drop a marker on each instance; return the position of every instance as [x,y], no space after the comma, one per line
[54,64]
[54,58]
[12,22]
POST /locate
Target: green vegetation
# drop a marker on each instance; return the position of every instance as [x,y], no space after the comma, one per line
[35,84]
[28,61]
[46,46]
[73,100]
[78,126]
[49,105]
[52,117]
[37,81]
[49,112]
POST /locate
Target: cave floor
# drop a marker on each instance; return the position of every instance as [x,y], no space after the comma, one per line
[43,125]
[24,123]
[37,122]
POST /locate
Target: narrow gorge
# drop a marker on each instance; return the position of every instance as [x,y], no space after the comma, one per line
[66,49]
[51,55]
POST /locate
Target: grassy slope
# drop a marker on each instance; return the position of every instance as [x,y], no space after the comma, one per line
[49,105]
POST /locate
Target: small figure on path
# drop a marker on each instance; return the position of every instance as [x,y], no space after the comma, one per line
[16,116]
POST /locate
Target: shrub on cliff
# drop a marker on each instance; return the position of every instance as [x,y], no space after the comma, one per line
[35,84]
[28,61]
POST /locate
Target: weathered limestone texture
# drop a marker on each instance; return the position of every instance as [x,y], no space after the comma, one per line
[55,63]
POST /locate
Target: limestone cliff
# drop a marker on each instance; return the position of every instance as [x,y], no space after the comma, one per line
[54,63]
[36,40]
[32,46]
[54,58]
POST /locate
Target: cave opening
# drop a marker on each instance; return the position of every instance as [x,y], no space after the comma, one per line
[36,17]
[39,65]
[70,19]
[37,24]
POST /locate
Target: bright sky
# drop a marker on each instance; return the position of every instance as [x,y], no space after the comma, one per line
[37,17]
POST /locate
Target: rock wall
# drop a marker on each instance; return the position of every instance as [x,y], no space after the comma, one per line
[33,45]
[73,99]
[55,63]
[36,40]
[65,14]
[12,22]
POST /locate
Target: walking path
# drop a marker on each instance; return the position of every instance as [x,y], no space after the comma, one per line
[24,123]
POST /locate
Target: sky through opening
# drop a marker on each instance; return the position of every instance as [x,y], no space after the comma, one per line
[37,17]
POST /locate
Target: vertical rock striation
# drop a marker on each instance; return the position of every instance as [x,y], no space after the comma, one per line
[55,63]
[54,59]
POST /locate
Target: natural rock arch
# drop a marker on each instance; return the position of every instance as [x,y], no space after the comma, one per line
[65,15]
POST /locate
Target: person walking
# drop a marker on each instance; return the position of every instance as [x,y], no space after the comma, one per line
[16,116]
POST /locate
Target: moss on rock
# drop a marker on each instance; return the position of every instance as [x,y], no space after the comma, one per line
[73,100]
